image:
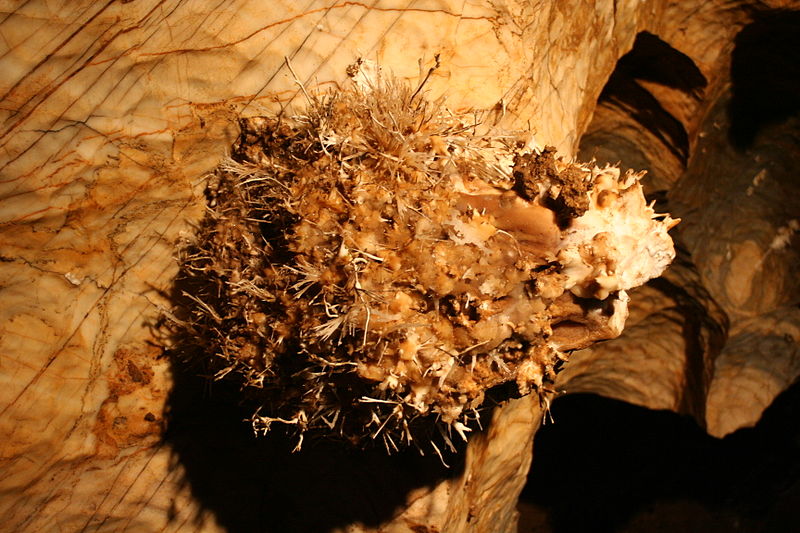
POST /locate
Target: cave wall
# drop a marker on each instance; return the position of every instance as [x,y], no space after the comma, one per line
[111,115]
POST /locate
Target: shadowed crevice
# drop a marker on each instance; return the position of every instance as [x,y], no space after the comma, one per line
[610,466]
[765,75]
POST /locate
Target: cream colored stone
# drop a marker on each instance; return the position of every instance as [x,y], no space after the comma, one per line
[759,361]
[111,114]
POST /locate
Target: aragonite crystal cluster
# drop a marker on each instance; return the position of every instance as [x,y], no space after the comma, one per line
[373,267]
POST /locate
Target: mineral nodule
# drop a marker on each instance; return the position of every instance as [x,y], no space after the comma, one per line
[375,263]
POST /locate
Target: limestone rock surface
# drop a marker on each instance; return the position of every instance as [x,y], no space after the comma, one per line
[112,112]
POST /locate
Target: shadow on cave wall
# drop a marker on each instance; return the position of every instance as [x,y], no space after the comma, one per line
[257,484]
[606,465]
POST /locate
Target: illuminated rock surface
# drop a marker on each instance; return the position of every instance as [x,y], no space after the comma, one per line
[113,112]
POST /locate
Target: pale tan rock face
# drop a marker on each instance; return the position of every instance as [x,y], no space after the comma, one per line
[111,115]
